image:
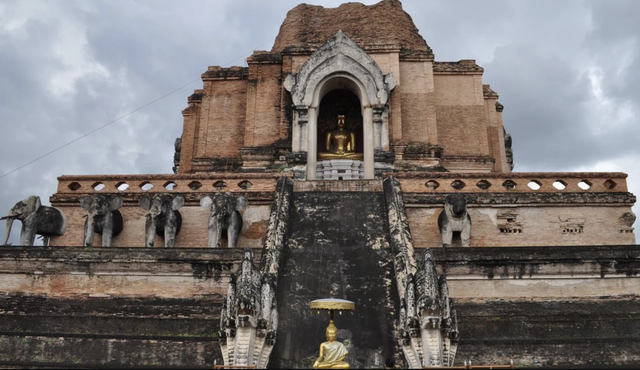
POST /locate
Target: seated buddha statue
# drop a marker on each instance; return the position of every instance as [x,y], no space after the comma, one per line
[332,352]
[340,144]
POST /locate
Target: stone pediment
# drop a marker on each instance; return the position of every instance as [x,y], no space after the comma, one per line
[340,54]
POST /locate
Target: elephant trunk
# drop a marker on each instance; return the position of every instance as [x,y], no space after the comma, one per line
[88,230]
[8,232]
[150,230]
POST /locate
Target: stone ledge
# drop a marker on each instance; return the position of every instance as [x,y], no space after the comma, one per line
[231,73]
[522,199]
[465,66]
[338,186]
[513,255]
[549,262]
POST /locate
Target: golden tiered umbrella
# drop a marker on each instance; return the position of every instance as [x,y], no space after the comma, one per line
[331,305]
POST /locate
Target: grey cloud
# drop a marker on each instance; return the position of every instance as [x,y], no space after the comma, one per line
[534,54]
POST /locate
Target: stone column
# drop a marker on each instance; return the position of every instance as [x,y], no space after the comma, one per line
[295,132]
[368,142]
[312,143]
[378,133]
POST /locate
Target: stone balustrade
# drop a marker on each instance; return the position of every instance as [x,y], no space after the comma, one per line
[198,183]
[516,182]
[412,182]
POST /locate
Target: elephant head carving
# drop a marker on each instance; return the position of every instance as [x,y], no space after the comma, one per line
[225,215]
[163,218]
[455,218]
[103,218]
[36,219]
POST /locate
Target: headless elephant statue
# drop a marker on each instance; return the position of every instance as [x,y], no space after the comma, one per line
[454,218]
[103,218]
[163,218]
[36,219]
[225,215]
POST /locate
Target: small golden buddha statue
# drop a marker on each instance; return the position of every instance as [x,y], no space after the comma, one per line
[340,144]
[332,352]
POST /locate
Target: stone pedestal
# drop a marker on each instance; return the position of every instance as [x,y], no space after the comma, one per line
[340,169]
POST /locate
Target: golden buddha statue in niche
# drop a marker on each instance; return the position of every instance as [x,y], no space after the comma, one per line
[332,352]
[340,144]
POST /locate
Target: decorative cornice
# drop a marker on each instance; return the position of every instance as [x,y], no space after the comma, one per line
[464,66]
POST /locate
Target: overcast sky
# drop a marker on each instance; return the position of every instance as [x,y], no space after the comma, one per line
[567,72]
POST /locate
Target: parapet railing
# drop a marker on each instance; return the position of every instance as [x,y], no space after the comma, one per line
[198,183]
[411,182]
[515,182]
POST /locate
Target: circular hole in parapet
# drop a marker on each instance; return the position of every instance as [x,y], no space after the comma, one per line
[483,184]
[245,184]
[534,185]
[509,184]
[122,186]
[195,185]
[74,186]
[169,185]
[458,185]
[97,186]
[584,185]
[560,185]
[146,186]
[432,184]
[220,184]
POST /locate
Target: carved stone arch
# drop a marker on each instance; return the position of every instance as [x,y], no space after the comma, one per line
[341,54]
[339,57]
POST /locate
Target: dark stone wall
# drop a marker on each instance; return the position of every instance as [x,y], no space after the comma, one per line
[568,333]
[338,246]
[105,332]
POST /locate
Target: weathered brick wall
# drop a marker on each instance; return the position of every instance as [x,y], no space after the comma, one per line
[505,211]
[257,188]
[112,308]
[558,333]
[221,125]
[545,307]
[495,134]
[537,226]
[190,138]
[416,90]
[389,62]
[312,25]
[461,115]
[263,104]
[193,234]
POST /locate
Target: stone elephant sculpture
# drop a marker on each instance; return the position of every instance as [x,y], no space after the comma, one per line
[455,218]
[36,219]
[163,218]
[225,215]
[103,218]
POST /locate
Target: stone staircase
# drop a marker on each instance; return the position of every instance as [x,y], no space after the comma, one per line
[337,246]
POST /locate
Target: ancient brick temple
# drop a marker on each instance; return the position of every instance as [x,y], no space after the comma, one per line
[346,163]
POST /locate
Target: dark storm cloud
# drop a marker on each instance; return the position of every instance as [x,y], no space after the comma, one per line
[69,67]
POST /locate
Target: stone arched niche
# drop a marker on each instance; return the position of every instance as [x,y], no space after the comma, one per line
[340,101]
[339,64]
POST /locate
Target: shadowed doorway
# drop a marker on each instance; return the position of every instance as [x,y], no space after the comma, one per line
[336,102]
